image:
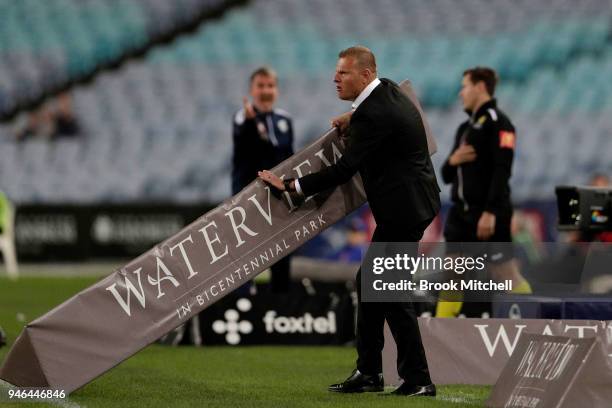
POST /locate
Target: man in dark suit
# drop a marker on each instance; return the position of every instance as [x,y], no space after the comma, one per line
[387,145]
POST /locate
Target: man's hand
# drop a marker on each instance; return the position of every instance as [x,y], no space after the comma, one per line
[464,154]
[271,179]
[486,226]
[249,112]
[342,122]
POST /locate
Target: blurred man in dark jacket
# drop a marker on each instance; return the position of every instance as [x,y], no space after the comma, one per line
[263,137]
[479,169]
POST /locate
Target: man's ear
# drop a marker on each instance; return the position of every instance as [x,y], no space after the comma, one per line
[482,88]
[366,74]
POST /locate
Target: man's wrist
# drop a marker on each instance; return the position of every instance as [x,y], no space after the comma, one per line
[289,185]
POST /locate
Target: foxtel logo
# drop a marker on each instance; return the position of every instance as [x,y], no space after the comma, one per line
[303,324]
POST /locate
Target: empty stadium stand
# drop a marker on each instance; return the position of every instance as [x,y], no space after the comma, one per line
[159,128]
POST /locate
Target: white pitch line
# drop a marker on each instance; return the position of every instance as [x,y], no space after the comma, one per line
[454,399]
[64,403]
[458,400]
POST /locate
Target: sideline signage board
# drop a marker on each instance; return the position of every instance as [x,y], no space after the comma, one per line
[163,288]
[474,351]
[554,372]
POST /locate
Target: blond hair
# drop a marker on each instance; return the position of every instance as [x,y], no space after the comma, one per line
[363,56]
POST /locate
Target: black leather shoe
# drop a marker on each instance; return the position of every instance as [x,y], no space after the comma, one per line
[359,382]
[415,390]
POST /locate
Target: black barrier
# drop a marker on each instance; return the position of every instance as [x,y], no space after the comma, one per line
[70,232]
[317,314]
[265,318]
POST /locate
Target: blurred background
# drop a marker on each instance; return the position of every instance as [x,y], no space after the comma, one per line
[116,115]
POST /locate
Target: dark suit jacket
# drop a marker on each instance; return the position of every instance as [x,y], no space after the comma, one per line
[388,147]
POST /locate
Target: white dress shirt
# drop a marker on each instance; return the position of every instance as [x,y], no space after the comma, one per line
[365,93]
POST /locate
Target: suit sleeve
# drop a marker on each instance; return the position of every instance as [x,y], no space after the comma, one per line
[366,137]
[503,143]
[449,173]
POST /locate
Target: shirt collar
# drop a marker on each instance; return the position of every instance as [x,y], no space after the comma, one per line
[492,103]
[365,93]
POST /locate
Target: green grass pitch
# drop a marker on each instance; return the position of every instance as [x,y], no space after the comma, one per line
[228,377]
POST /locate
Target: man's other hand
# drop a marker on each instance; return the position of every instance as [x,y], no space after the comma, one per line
[464,154]
[271,179]
[486,226]
[342,122]
[249,111]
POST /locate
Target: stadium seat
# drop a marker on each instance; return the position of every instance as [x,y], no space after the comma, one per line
[176,104]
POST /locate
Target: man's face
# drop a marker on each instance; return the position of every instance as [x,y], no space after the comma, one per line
[349,79]
[600,181]
[264,92]
[470,93]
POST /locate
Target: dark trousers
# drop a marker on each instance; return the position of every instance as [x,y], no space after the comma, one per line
[401,318]
[280,276]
